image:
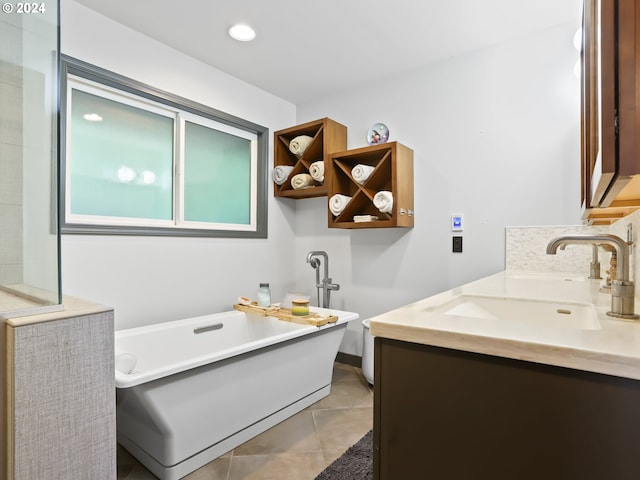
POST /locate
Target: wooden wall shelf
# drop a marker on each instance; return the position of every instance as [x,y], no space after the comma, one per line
[393,172]
[328,136]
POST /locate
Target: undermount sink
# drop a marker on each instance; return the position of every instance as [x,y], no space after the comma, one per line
[581,316]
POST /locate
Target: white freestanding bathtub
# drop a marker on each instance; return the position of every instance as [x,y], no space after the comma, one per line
[190,390]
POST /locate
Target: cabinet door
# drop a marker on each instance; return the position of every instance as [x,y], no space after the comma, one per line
[628,84]
[447,414]
[610,102]
[598,101]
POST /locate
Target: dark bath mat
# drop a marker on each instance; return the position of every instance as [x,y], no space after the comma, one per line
[354,464]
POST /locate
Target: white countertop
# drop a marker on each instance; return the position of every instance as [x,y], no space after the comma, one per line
[612,346]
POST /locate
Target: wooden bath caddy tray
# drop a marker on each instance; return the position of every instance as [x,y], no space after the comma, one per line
[285,314]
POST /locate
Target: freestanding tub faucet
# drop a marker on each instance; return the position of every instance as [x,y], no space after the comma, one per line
[325,284]
[622,288]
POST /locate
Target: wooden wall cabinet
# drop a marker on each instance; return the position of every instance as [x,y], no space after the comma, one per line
[328,136]
[393,172]
[610,109]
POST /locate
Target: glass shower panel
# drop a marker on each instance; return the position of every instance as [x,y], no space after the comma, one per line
[29,240]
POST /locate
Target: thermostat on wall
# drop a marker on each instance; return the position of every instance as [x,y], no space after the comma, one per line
[456,222]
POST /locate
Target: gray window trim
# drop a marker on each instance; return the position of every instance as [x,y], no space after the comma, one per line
[73,66]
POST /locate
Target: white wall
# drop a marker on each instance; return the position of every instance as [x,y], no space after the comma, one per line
[149,279]
[495,135]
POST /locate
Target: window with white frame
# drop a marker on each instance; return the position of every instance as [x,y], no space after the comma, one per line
[143,162]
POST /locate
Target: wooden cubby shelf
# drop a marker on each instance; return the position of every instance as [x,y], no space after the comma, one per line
[328,136]
[393,172]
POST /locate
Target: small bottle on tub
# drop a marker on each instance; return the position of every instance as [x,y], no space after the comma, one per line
[264,295]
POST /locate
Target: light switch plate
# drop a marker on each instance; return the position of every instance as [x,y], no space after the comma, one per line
[457,244]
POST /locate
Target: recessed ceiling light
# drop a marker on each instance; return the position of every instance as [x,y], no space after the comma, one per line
[242,33]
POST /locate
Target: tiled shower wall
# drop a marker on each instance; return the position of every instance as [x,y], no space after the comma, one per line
[11,141]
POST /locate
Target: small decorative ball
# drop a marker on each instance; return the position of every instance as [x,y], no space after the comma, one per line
[379,133]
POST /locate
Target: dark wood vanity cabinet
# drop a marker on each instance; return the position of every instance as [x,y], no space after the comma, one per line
[446,414]
[610,113]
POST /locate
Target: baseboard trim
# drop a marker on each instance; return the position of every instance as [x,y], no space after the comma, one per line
[349,359]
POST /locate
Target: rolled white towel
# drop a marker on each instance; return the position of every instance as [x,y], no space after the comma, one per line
[302,180]
[281,173]
[360,173]
[316,169]
[383,200]
[338,202]
[299,144]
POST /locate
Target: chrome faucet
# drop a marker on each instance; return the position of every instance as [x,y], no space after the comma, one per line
[325,284]
[622,288]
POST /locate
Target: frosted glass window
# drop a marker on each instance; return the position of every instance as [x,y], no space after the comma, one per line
[217,176]
[139,161]
[121,160]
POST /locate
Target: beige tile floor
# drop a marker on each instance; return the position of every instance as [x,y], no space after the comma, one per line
[298,448]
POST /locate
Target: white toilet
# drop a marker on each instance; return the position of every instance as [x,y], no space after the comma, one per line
[367,352]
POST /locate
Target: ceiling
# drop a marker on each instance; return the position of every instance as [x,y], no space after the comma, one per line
[306,49]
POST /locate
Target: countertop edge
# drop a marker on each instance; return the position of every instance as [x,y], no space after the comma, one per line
[555,355]
[73,307]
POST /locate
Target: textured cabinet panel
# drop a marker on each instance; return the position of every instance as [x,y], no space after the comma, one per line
[63,409]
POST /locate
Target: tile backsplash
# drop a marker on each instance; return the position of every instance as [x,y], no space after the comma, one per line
[526,248]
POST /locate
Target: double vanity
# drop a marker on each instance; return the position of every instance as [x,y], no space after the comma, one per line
[518,375]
